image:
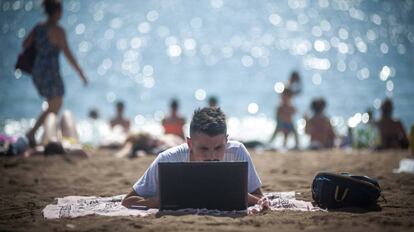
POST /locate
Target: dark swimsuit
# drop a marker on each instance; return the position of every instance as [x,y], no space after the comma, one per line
[46,75]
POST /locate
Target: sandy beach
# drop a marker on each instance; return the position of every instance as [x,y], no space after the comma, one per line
[28,185]
[330,74]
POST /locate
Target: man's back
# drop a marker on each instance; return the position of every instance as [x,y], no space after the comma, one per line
[320,130]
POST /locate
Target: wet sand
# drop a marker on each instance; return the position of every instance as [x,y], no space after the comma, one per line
[28,185]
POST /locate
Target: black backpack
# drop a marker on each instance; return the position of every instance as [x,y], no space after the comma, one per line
[334,191]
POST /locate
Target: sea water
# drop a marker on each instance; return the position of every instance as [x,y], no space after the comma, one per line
[353,53]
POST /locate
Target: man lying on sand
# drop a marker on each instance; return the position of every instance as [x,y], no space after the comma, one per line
[208,141]
[142,144]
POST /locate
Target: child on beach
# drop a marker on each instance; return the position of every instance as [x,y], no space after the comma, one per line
[319,127]
[294,84]
[284,118]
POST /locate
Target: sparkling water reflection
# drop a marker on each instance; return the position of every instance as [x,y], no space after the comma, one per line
[354,53]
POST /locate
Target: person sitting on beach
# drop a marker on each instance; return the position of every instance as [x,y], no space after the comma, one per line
[208,141]
[212,101]
[93,114]
[319,127]
[173,123]
[285,112]
[142,144]
[391,130]
[119,119]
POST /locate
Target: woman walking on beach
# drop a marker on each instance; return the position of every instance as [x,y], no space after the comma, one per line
[49,38]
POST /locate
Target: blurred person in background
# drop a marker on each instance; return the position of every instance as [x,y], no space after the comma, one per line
[119,119]
[294,84]
[319,127]
[391,130]
[213,101]
[173,123]
[49,39]
[284,118]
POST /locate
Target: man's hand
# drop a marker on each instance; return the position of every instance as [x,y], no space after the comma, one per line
[254,197]
[133,200]
[252,200]
[264,203]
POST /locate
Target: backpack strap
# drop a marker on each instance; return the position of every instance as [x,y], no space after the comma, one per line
[343,194]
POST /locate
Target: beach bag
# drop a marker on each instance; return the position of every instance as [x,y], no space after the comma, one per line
[26,59]
[333,191]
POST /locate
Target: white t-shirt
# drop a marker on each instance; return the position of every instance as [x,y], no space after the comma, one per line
[147,185]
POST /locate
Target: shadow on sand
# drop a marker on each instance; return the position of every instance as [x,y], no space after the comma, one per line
[372,208]
[204,212]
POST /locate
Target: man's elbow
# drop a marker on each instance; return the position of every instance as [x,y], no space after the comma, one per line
[128,201]
[125,202]
[257,193]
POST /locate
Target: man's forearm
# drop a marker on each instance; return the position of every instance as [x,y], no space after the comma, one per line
[132,201]
[252,199]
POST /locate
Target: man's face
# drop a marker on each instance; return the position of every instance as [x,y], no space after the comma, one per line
[207,148]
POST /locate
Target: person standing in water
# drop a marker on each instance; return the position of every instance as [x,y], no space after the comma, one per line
[284,119]
[294,84]
[49,38]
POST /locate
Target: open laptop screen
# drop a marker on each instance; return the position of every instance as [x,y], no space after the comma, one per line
[210,185]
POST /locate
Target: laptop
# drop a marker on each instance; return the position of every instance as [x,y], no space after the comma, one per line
[210,185]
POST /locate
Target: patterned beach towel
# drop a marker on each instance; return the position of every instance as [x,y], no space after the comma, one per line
[77,206]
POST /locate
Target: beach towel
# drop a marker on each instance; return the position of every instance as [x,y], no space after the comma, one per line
[77,206]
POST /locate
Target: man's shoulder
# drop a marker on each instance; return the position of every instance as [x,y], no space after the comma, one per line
[178,153]
[234,146]
[236,151]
